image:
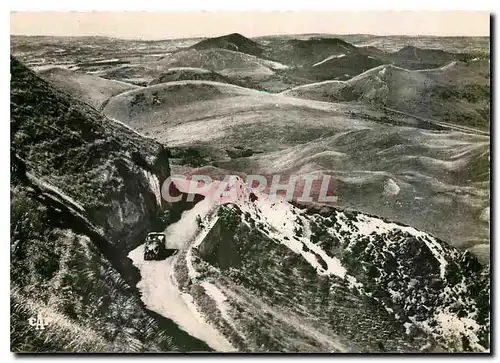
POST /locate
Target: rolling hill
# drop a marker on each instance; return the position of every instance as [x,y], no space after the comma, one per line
[327,58]
[341,67]
[172,111]
[430,169]
[398,259]
[187,73]
[277,277]
[234,41]
[84,190]
[431,179]
[140,74]
[412,57]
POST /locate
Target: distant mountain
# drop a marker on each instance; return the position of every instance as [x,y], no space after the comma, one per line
[290,278]
[299,52]
[84,190]
[188,73]
[234,41]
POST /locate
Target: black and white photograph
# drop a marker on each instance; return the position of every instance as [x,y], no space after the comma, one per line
[251,182]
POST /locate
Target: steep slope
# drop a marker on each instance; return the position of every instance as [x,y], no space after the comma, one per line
[341,66]
[458,93]
[436,181]
[84,190]
[90,89]
[160,291]
[274,277]
[234,41]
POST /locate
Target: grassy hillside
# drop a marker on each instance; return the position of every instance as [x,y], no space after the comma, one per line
[84,190]
[187,73]
[232,41]
[365,152]
[458,93]
[88,88]
[278,278]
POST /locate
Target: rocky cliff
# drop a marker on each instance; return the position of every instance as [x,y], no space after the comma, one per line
[112,172]
[84,191]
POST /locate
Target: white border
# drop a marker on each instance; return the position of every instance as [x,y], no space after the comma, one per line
[266,5]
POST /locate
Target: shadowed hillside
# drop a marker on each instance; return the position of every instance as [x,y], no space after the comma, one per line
[308,52]
[186,73]
[84,190]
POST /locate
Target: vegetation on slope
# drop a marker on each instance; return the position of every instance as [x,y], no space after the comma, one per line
[82,193]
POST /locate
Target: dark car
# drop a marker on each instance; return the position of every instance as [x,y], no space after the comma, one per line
[155,248]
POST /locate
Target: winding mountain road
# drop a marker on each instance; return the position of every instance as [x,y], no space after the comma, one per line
[466,129]
[160,291]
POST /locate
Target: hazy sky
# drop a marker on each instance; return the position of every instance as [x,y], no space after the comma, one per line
[163,25]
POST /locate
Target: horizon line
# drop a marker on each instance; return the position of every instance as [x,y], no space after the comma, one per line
[249,37]
[199,24]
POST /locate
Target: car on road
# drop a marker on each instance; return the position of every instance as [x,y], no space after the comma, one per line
[156,248]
